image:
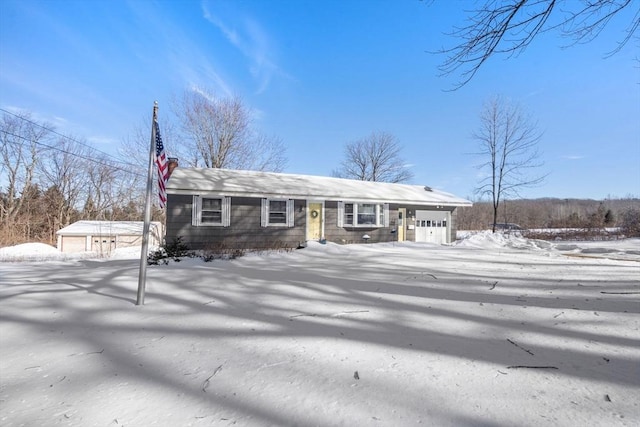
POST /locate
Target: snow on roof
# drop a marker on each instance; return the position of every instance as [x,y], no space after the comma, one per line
[112,228]
[268,184]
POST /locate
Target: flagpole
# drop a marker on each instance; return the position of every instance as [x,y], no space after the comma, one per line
[142,276]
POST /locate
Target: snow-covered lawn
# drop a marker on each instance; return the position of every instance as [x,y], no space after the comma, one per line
[492,331]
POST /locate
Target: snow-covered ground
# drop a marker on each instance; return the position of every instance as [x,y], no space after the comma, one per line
[491,331]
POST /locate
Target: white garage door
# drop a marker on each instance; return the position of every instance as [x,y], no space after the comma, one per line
[71,244]
[432,226]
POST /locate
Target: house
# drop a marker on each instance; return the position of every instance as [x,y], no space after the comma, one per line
[248,209]
[105,236]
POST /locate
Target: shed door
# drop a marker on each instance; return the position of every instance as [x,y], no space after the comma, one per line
[432,226]
[103,244]
[72,244]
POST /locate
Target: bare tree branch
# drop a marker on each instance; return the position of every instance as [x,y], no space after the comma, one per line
[220,134]
[374,158]
[20,155]
[509,26]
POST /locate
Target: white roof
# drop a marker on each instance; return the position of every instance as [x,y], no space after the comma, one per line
[244,183]
[111,228]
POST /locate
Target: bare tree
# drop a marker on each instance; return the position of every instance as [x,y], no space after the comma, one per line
[374,158]
[508,141]
[509,26]
[128,185]
[110,188]
[22,143]
[220,133]
[63,172]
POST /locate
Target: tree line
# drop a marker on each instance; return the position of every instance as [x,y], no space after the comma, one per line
[556,213]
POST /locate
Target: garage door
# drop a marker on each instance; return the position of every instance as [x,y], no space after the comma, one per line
[71,244]
[432,226]
[103,244]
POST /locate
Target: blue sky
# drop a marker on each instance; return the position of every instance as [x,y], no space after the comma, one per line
[319,74]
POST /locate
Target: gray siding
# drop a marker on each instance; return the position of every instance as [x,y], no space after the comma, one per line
[336,234]
[246,232]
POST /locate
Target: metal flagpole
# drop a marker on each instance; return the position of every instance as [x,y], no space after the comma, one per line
[142,276]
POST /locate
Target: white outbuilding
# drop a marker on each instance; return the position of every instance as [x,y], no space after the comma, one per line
[105,236]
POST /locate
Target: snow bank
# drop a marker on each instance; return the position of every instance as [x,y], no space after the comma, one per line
[44,252]
[489,240]
[30,252]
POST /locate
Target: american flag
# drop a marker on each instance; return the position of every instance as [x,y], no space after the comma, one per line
[163,169]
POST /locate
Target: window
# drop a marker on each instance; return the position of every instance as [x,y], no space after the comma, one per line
[366,214]
[277,212]
[363,214]
[348,214]
[211,211]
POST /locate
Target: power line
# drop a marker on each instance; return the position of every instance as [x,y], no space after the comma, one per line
[66,137]
[91,159]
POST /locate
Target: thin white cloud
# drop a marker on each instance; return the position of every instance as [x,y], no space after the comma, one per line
[573,157]
[102,140]
[253,42]
[46,120]
[183,57]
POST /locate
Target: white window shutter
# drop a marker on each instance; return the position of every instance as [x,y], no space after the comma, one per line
[226,211]
[340,214]
[386,214]
[264,213]
[195,211]
[290,213]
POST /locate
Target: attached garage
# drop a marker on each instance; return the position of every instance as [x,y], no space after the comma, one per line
[105,236]
[433,226]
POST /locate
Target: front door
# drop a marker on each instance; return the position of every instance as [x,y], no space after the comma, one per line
[402,220]
[314,221]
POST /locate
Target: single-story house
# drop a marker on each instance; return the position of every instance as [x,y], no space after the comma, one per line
[105,236]
[211,208]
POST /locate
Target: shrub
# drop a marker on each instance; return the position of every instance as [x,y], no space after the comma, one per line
[221,251]
[176,249]
[631,222]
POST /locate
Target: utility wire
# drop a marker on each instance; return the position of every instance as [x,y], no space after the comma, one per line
[66,137]
[91,159]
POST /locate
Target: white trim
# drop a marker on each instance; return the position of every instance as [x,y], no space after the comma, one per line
[289,212]
[329,198]
[196,210]
[385,214]
[378,207]
[226,211]
[264,212]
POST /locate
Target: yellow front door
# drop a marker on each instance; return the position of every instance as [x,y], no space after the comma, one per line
[402,221]
[314,221]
